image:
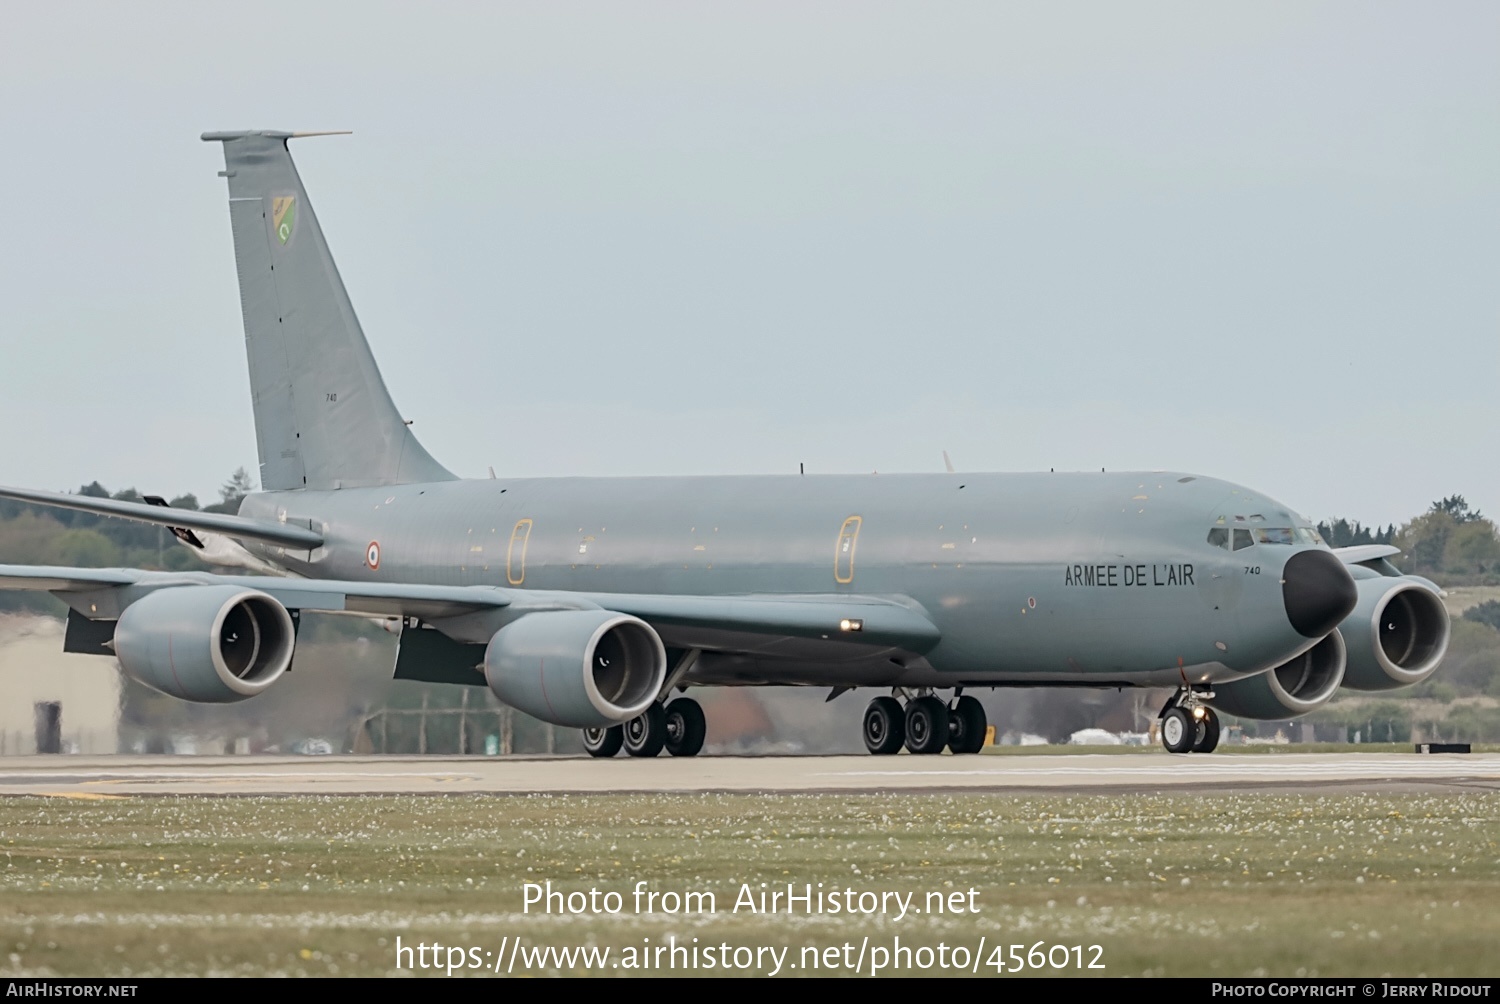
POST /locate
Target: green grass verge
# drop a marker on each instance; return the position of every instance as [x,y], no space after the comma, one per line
[1282,885]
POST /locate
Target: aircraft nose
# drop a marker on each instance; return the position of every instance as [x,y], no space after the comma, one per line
[1318,592]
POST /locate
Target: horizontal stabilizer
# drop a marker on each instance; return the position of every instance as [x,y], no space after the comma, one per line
[280,534]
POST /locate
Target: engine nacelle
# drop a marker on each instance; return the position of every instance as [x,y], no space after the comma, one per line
[210,644]
[581,668]
[1294,688]
[1397,633]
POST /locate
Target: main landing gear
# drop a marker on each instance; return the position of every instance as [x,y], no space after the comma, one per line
[925,725]
[1187,725]
[678,727]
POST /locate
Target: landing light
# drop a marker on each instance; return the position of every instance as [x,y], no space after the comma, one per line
[851,625]
[1199,712]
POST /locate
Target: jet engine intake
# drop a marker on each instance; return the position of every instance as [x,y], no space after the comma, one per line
[1397,633]
[1294,688]
[580,668]
[209,644]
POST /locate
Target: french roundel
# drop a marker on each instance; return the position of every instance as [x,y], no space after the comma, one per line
[372,555]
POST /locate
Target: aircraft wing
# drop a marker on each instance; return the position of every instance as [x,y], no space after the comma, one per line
[720,623]
[101,593]
[52,579]
[1361,553]
[1375,559]
[280,534]
[738,623]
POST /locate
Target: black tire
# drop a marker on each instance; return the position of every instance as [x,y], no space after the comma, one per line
[885,726]
[646,733]
[1208,732]
[926,725]
[686,727]
[967,724]
[1178,731]
[604,742]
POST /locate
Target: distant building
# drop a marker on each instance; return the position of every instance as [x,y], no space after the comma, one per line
[34,670]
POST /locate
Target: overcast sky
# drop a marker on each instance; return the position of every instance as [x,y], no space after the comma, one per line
[1256,241]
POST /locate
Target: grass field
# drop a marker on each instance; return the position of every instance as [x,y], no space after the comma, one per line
[1460,598]
[1281,884]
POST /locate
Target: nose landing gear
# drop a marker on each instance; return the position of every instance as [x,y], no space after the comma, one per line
[926,725]
[1189,726]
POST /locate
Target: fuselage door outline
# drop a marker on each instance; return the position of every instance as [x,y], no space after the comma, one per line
[515,564]
[843,554]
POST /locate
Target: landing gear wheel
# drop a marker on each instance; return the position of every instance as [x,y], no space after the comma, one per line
[885,726]
[686,727]
[1208,732]
[602,742]
[967,723]
[926,725]
[1179,732]
[646,733]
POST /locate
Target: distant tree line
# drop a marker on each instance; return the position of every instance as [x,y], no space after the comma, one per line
[1343,533]
[1450,542]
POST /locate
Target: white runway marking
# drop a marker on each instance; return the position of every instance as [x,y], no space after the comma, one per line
[1426,766]
[195,775]
[124,776]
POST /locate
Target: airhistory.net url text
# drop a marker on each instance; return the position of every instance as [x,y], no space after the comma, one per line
[517,955]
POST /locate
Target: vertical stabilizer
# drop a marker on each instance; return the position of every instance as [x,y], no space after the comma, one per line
[323,417]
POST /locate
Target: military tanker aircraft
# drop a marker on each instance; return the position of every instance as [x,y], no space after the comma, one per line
[587,602]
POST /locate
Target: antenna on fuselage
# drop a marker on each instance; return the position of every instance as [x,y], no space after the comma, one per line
[947,463]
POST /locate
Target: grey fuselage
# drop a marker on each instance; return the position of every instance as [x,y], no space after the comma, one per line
[1087,579]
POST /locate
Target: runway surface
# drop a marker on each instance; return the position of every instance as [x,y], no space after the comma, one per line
[116,776]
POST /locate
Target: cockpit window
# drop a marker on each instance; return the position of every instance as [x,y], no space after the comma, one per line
[1241,539]
[1308,535]
[1275,535]
[1219,537]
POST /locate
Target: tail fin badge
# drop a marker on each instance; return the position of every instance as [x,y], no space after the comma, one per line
[284,216]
